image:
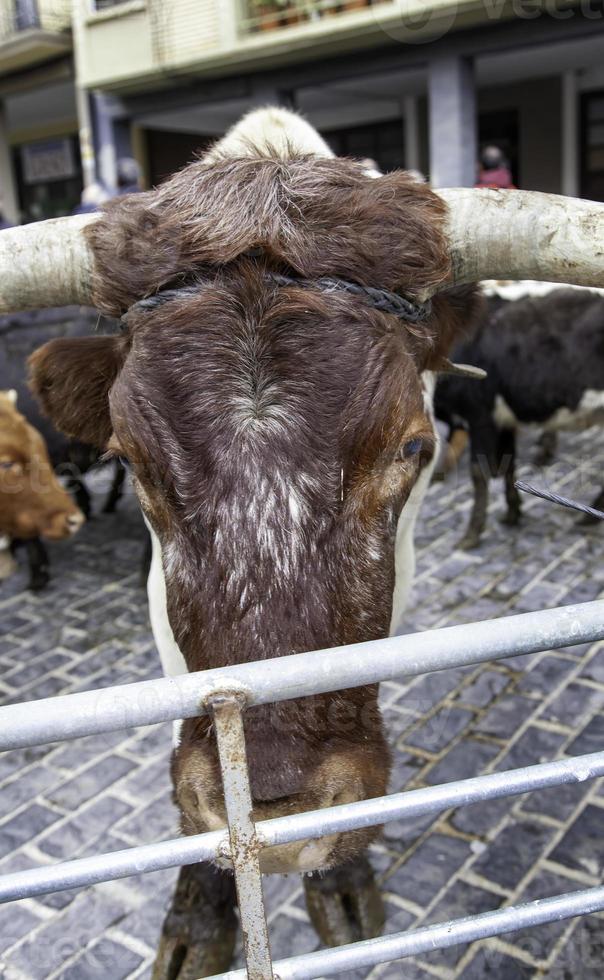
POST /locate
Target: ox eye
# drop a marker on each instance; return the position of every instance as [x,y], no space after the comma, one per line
[125,462]
[10,466]
[412,448]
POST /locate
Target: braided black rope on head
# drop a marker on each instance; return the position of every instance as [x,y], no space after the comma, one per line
[150,303]
[380,299]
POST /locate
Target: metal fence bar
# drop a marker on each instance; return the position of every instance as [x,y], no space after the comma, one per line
[440,936]
[300,675]
[245,848]
[225,692]
[280,830]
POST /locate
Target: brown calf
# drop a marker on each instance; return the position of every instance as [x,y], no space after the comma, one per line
[32,501]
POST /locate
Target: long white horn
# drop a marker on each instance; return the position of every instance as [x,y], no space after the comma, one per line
[505,234]
[47,263]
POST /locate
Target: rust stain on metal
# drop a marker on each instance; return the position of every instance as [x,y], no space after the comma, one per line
[245,846]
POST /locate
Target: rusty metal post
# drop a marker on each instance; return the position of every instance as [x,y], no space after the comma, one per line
[245,846]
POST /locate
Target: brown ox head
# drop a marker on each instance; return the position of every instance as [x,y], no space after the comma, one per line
[275,432]
[32,501]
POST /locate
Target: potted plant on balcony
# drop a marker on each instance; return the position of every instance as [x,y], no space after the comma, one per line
[267,14]
[331,8]
[292,13]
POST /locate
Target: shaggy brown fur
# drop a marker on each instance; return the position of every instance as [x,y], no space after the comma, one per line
[32,501]
[72,379]
[317,217]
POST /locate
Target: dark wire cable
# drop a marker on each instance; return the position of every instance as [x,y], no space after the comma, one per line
[555,498]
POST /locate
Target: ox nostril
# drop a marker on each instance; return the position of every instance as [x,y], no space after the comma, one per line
[345,796]
[351,792]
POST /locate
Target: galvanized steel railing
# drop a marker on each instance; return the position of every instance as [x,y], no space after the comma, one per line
[226,692]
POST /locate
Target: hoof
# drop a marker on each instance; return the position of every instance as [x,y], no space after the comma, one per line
[345,904]
[8,565]
[39,580]
[179,958]
[511,518]
[468,542]
[200,930]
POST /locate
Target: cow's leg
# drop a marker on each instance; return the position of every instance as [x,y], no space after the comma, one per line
[478,518]
[546,448]
[345,904]
[39,564]
[115,491]
[456,446]
[7,562]
[81,458]
[507,447]
[199,932]
[79,490]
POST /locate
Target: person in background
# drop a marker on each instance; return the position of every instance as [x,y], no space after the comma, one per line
[494,169]
[92,197]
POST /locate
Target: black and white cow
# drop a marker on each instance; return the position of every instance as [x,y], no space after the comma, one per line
[542,348]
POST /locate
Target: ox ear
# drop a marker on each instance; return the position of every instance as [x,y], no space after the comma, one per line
[456,314]
[72,379]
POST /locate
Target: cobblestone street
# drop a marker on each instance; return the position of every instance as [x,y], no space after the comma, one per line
[90,629]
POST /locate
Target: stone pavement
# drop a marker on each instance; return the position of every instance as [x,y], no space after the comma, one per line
[90,629]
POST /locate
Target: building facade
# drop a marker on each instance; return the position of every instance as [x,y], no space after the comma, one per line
[415,83]
[40,158]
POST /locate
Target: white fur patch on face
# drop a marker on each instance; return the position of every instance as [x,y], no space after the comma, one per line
[276,514]
[404,555]
[172,660]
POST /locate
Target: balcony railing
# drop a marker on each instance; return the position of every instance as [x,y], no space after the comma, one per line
[99,5]
[22,15]
[272,15]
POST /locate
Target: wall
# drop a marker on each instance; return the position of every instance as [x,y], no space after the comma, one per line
[115,44]
[55,15]
[141,41]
